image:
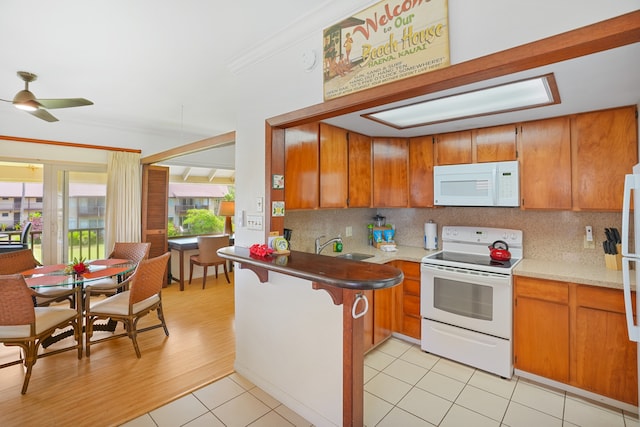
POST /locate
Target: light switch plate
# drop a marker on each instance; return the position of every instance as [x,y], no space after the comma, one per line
[254,222]
[259,204]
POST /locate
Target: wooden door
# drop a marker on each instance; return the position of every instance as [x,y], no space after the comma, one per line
[421,172]
[494,144]
[382,314]
[545,164]
[453,148]
[155,205]
[334,167]
[301,164]
[359,170]
[541,328]
[390,163]
[605,148]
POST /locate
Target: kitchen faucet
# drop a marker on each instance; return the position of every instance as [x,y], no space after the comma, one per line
[320,247]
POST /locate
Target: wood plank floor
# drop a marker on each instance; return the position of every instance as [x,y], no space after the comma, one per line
[113,386]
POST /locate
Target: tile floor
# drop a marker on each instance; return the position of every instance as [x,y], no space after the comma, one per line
[404,387]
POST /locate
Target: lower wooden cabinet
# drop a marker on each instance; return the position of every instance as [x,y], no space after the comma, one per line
[541,328]
[394,309]
[408,321]
[575,334]
[605,359]
[378,322]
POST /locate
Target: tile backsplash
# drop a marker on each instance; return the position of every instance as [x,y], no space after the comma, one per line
[548,235]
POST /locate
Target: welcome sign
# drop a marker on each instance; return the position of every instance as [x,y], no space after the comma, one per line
[389,41]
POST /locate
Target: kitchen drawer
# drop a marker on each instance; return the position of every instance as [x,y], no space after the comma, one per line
[601,298]
[411,286]
[411,326]
[546,290]
[411,270]
[411,305]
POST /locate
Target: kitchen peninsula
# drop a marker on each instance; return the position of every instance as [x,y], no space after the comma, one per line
[344,280]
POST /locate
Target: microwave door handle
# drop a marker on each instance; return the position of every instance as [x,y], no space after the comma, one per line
[494,187]
[629,185]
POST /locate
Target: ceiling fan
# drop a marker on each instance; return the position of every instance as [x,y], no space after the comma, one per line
[27,101]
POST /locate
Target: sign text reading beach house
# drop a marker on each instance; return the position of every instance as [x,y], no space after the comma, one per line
[389,41]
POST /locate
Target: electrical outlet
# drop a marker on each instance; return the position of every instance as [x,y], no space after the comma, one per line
[254,222]
[589,244]
[348,231]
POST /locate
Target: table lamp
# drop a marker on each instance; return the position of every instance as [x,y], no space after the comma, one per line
[227,209]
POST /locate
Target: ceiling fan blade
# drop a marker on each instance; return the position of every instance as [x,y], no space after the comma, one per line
[44,115]
[63,103]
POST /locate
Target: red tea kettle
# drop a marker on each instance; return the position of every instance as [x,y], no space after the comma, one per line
[500,251]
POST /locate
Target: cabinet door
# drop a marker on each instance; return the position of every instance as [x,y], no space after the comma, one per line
[421,172]
[495,144]
[606,361]
[545,164]
[368,322]
[359,170]
[334,167]
[541,328]
[382,314]
[605,148]
[301,167]
[390,162]
[453,148]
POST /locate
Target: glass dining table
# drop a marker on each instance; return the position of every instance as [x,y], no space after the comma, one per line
[55,276]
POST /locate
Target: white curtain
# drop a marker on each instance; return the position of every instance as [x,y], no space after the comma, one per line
[123,204]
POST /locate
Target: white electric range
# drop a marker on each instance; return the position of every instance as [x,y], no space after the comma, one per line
[467,297]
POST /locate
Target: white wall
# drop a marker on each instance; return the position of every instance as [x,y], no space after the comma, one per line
[268,331]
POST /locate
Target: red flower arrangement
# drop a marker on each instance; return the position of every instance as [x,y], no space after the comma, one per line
[260,250]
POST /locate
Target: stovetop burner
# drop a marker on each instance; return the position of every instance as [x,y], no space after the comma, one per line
[474,259]
[468,247]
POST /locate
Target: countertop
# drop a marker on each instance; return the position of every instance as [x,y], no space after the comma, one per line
[595,275]
[343,273]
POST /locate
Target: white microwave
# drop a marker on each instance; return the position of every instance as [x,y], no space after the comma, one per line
[477,184]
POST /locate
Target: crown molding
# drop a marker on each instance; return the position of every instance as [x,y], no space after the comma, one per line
[312,23]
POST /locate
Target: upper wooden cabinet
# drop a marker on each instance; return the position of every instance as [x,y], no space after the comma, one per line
[359,170]
[545,164]
[421,172]
[390,163]
[604,149]
[453,148]
[334,167]
[301,165]
[494,144]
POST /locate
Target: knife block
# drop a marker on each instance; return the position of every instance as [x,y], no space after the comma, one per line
[614,262]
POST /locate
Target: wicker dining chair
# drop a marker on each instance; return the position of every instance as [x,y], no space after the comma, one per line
[26,326]
[142,297]
[23,260]
[133,251]
[208,256]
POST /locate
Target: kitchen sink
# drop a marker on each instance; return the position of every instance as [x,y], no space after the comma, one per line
[355,256]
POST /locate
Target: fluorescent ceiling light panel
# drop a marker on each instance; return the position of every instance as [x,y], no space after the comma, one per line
[513,96]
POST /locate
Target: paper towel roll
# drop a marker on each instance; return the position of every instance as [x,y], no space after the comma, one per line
[430,235]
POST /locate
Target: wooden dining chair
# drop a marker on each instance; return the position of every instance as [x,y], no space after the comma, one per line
[142,297]
[134,251]
[208,256]
[26,326]
[23,260]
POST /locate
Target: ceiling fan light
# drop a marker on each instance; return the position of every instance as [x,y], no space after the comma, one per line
[25,100]
[26,106]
